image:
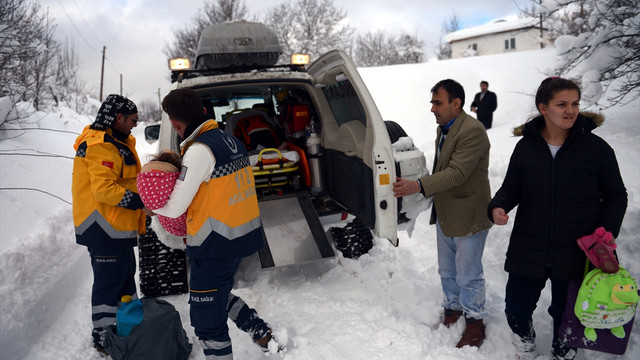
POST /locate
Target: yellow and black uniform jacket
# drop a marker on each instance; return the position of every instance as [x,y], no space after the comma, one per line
[223,219]
[106,205]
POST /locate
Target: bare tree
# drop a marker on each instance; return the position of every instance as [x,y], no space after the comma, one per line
[149,110]
[377,49]
[280,19]
[42,62]
[374,49]
[27,52]
[224,10]
[530,10]
[186,39]
[310,26]
[568,20]
[410,49]
[453,24]
[69,89]
[606,51]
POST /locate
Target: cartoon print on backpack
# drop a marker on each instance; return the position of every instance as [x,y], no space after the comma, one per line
[606,301]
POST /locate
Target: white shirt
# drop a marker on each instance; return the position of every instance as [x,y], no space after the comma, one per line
[197,166]
[554,149]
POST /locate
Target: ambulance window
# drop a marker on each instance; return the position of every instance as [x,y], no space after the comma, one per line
[344,102]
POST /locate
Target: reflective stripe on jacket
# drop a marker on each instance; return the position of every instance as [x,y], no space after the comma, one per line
[105,199]
[223,220]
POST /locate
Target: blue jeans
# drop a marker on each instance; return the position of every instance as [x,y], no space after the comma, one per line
[461,273]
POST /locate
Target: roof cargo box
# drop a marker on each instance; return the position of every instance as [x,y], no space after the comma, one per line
[237,44]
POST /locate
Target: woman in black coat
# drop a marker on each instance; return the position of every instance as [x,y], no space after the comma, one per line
[566,183]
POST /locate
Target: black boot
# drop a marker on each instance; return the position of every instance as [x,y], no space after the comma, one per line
[562,351]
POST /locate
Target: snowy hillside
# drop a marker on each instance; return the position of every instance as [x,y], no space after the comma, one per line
[385,305]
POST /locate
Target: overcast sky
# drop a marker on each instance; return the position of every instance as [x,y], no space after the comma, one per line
[136,31]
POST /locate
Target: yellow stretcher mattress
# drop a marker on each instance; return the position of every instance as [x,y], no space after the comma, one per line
[270,173]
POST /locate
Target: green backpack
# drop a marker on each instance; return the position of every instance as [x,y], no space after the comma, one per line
[606,301]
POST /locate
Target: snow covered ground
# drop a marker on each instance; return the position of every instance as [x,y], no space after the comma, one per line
[385,305]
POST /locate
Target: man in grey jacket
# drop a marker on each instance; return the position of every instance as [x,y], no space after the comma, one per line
[460,188]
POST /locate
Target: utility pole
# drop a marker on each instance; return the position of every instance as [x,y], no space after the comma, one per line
[541,30]
[104,50]
[159,102]
[120,84]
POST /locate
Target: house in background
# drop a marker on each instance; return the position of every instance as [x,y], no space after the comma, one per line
[496,38]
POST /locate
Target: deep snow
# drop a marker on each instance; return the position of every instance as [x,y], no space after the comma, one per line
[385,305]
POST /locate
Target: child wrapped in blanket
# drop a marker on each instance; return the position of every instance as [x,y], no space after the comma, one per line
[155,184]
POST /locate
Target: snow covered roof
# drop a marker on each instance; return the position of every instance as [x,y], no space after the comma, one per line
[495,27]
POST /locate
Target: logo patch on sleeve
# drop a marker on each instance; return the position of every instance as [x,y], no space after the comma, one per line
[183,173]
[108,164]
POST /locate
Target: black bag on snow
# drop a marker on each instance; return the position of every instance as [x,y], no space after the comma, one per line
[159,336]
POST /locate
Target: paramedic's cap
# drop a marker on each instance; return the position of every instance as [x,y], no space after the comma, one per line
[110,108]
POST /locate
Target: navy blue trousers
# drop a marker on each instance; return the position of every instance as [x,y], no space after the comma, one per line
[113,276]
[246,318]
[210,286]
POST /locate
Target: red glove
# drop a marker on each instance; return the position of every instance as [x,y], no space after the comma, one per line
[599,248]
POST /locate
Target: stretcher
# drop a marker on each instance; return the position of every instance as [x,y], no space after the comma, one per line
[274,172]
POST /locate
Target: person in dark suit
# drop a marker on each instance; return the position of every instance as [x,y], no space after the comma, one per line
[484,104]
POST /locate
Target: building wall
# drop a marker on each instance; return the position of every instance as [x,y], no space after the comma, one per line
[489,44]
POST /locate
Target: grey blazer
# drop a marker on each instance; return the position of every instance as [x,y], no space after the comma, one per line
[460,179]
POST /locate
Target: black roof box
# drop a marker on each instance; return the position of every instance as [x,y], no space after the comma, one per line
[237,44]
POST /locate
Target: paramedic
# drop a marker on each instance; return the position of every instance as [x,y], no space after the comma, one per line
[217,191]
[108,213]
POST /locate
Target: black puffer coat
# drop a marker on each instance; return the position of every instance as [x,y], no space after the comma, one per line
[559,199]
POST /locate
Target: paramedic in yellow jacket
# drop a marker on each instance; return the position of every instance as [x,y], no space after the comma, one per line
[108,213]
[217,190]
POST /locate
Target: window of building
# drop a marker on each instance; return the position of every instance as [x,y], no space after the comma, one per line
[510,44]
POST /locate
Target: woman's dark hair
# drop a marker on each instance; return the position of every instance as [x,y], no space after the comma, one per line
[550,86]
[183,105]
[169,157]
[453,88]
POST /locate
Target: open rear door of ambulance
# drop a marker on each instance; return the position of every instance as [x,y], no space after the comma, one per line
[358,158]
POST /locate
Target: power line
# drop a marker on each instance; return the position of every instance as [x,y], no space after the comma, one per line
[75,27]
[115,66]
[38,190]
[130,79]
[86,22]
